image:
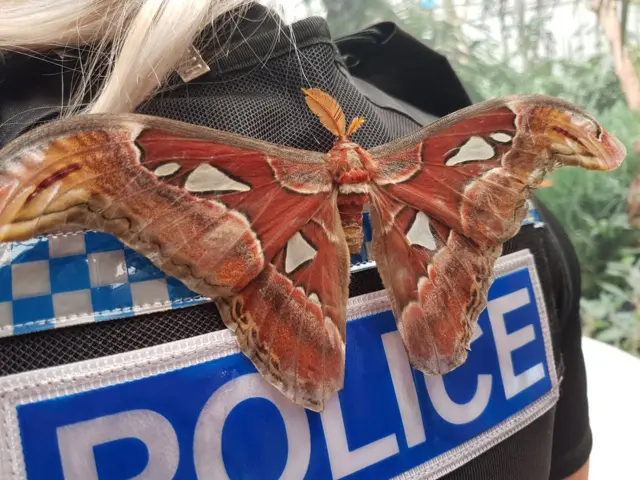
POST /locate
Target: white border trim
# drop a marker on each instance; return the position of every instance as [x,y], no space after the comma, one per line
[29,387]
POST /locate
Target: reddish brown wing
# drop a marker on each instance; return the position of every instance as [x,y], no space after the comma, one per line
[235,219]
[448,197]
[291,320]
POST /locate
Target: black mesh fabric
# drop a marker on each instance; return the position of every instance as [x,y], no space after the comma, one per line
[264,100]
[84,342]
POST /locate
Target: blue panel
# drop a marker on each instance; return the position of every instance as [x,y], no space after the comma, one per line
[178,291]
[101,242]
[69,274]
[253,436]
[139,268]
[111,299]
[366,227]
[26,311]
[6,286]
[132,455]
[243,436]
[30,250]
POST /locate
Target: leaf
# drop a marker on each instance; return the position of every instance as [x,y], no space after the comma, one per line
[326,109]
[610,335]
[613,289]
[355,124]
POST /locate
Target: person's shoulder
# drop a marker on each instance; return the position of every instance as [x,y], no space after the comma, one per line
[563,264]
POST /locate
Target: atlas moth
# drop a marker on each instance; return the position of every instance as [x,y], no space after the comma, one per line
[266,231]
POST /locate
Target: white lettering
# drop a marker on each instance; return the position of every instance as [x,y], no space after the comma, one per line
[344,462]
[207,442]
[509,342]
[460,413]
[405,388]
[76,443]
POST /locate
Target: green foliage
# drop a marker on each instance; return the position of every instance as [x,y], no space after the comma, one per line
[614,316]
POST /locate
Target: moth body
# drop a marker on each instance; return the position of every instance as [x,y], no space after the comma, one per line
[350,166]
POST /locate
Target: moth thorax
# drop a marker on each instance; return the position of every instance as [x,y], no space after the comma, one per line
[355,166]
[351,209]
[347,164]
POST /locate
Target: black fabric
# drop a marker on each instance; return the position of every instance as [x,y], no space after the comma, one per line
[519,457]
[383,74]
[50,348]
[30,92]
[396,63]
[253,101]
[572,440]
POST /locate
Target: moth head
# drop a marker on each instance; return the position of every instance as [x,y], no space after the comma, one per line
[576,138]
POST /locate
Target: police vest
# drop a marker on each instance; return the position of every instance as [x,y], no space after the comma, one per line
[111,370]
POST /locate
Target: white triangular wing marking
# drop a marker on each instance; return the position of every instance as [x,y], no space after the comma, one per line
[475,149]
[206,178]
[166,169]
[501,137]
[298,252]
[420,232]
[314,298]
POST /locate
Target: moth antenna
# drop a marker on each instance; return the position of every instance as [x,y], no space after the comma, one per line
[327,109]
[355,124]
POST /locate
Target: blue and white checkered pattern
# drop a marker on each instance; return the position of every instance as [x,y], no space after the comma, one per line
[82,277]
[62,280]
[533,217]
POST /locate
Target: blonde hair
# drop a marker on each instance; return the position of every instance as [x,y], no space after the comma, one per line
[134,44]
